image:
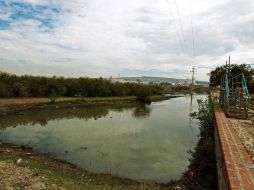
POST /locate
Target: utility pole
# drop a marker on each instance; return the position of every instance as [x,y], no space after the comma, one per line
[228,69]
[193,70]
[229,63]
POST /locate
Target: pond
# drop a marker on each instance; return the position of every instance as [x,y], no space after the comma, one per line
[140,142]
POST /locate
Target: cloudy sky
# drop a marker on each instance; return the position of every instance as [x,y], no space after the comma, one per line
[127,37]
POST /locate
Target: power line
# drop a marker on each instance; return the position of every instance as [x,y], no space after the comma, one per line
[180,23]
[177,30]
[192,30]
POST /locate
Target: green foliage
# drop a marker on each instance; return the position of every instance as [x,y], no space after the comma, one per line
[215,75]
[4,90]
[54,87]
[205,117]
[53,96]
[141,91]
[251,86]
[202,162]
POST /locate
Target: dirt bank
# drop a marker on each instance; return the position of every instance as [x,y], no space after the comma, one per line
[22,168]
[16,105]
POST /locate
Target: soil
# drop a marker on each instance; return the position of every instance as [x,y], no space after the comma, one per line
[23,169]
[15,177]
[16,105]
[245,130]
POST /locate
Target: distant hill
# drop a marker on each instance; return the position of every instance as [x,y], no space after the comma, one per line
[147,79]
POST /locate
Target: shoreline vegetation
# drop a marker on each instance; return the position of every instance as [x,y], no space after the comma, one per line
[202,167]
[13,86]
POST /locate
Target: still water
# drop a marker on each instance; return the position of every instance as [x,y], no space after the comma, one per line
[140,142]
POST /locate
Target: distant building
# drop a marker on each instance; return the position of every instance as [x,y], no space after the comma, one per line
[157,80]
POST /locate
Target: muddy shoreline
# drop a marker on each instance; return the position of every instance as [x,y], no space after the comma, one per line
[12,152]
[15,108]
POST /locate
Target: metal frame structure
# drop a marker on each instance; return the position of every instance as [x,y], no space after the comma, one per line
[234,95]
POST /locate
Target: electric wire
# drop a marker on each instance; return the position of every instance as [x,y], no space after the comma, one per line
[176,27]
[192,30]
[180,24]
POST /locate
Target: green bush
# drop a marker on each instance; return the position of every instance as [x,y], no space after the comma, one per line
[38,86]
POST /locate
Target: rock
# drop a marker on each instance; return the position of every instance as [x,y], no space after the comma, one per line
[251,166]
[7,150]
[74,108]
[54,186]
[19,161]
[28,145]
[39,186]
[36,174]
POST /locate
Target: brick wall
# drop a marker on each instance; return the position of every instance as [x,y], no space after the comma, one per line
[234,165]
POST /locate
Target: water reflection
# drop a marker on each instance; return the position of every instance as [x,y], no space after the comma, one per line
[44,116]
[142,111]
[141,142]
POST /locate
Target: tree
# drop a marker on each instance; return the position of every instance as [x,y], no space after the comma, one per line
[4,91]
[53,87]
[53,96]
[215,75]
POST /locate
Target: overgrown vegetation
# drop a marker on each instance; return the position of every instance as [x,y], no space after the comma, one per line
[53,87]
[178,89]
[202,173]
[215,75]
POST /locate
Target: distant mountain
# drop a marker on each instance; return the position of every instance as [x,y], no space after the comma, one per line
[147,79]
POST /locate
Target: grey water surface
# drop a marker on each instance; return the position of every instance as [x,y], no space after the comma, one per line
[140,142]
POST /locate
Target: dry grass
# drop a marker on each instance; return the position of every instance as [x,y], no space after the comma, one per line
[21,101]
[10,101]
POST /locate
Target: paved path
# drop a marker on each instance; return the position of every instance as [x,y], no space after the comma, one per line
[245,130]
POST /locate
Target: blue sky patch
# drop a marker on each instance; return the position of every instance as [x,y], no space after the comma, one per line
[46,15]
[4,24]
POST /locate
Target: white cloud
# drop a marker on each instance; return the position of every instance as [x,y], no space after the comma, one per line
[103,38]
